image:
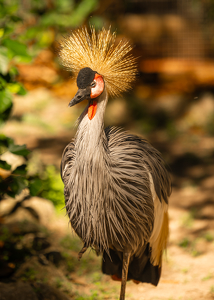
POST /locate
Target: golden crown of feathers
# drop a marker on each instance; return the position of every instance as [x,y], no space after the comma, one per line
[98,51]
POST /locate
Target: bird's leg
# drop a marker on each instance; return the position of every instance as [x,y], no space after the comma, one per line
[126,259]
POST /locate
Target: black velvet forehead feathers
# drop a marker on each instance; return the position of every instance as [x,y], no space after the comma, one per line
[85,77]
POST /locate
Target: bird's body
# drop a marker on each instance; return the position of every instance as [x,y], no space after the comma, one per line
[116,190]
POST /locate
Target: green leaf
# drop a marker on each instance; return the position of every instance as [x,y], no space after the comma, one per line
[96,22]
[16,88]
[84,8]
[35,186]
[5,115]
[16,47]
[3,83]
[4,165]
[17,184]
[18,149]
[4,61]
[21,170]
[3,188]
[8,29]
[5,100]
[22,91]
[16,18]
[31,33]
[13,87]
[13,71]
[11,7]
[64,6]
[5,141]
[1,32]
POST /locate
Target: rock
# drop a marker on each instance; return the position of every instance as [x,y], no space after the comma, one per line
[43,260]
[40,243]
[13,159]
[54,256]
[18,290]
[18,227]
[24,291]
[36,269]
[6,269]
[34,209]
[27,240]
[47,292]
[43,207]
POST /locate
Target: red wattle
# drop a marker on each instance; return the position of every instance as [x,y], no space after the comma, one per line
[92,110]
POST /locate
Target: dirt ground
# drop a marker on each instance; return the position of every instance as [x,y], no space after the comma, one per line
[188,266]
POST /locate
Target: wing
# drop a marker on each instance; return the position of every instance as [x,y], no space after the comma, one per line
[160,234]
[66,165]
[160,184]
[151,158]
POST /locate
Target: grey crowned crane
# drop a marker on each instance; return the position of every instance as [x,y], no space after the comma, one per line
[116,186]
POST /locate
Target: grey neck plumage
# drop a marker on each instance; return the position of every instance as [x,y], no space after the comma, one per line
[90,135]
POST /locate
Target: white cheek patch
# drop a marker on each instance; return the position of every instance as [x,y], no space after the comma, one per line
[98,89]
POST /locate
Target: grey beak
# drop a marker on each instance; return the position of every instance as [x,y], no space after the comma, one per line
[82,94]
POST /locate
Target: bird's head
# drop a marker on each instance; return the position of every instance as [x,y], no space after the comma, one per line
[90,86]
[105,59]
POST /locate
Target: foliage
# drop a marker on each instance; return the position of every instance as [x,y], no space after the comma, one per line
[12,180]
[26,27]
[39,20]
[52,187]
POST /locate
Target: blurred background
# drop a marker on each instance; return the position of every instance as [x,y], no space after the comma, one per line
[171,105]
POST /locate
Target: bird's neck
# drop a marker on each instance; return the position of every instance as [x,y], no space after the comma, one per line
[90,135]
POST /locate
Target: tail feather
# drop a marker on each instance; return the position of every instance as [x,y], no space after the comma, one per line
[140,268]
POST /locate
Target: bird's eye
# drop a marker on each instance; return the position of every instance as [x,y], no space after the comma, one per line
[93,84]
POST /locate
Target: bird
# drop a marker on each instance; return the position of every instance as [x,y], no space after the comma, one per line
[116,185]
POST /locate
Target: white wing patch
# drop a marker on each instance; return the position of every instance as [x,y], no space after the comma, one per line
[159,238]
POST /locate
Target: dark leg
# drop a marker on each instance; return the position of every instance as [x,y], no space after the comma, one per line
[126,258]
